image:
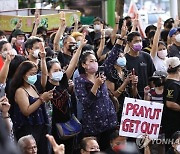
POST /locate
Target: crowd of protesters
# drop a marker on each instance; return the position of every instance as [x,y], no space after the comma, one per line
[87,71]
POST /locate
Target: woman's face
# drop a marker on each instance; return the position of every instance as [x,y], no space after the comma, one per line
[6,47]
[118,142]
[161,47]
[55,68]
[91,64]
[32,71]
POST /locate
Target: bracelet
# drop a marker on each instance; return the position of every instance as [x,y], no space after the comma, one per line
[120,38]
[102,37]
[119,91]
[117,23]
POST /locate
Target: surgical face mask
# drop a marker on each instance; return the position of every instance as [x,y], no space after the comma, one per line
[177,37]
[32,79]
[78,43]
[121,61]
[4,39]
[92,67]
[162,54]
[178,148]
[61,43]
[12,52]
[20,42]
[57,76]
[137,46]
[36,53]
[97,27]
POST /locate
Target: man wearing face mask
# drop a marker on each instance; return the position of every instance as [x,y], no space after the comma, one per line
[139,60]
[97,28]
[69,47]
[174,49]
[33,49]
[19,38]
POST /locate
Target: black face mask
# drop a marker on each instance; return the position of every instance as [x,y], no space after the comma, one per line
[72,48]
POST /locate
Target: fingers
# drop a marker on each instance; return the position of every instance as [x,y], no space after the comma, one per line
[51,140]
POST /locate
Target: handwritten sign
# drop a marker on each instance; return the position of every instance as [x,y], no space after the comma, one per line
[140,117]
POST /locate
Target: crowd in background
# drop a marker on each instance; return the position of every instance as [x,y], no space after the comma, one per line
[86,71]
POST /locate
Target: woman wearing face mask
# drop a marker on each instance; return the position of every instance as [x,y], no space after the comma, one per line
[120,82]
[28,107]
[58,79]
[175,147]
[98,113]
[159,50]
[6,48]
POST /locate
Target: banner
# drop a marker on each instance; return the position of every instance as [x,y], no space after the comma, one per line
[140,117]
[50,21]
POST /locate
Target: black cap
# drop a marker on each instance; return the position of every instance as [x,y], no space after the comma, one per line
[17,32]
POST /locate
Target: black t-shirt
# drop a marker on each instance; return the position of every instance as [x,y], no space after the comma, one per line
[60,101]
[174,51]
[171,118]
[144,68]
[64,59]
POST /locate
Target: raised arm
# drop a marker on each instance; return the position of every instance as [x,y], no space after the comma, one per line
[60,31]
[36,24]
[5,69]
[44,71]
[156,39]
[115,29]
[74,61]
[102,43]
[75,24]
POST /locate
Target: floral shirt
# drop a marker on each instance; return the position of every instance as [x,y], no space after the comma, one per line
[98,113]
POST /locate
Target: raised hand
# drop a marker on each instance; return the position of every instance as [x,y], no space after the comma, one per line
[42,52]
[58,149]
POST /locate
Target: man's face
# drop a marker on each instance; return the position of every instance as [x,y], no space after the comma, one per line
[20,39]
[70,42]
[92,145]
[136,39]
[31,147]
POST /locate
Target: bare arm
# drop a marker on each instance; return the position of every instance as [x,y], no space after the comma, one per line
[75,25]
[115,29]
[44,71]
[22,100]
[60,31]
[156,39]
[102,44]
[74,61]
[173,106]
[37,22]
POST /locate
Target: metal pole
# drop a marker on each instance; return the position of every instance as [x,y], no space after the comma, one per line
[173,8]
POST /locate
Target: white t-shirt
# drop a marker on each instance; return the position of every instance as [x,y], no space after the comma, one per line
[160,64]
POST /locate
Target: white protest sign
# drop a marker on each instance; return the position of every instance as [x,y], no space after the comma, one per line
[140,117]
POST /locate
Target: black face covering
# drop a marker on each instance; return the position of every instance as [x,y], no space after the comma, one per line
[72,48]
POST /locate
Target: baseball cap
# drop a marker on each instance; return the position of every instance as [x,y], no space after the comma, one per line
[17,32]
[173,62]
[173,31]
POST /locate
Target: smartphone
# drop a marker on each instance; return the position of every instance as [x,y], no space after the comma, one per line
[2,92]
[101,70]
[54,88]
[133,71]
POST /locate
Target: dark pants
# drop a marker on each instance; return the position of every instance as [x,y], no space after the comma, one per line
[39,133]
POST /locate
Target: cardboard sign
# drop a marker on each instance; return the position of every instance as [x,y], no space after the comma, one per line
[140,117]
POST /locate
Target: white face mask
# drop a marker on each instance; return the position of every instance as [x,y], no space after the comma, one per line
[36,53]
[177,37]
[162,54]
[4,39]
[12,52]
[57,76]
[97,27]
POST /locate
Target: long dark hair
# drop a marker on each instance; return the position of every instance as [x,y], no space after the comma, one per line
[83,59]
[17,80]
